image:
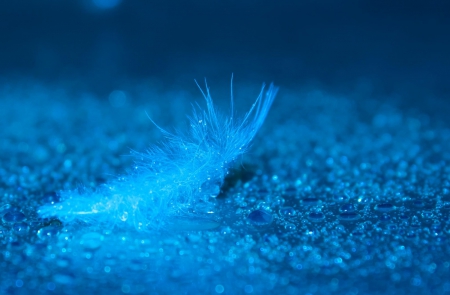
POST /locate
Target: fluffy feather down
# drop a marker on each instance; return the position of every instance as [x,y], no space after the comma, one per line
[170,179]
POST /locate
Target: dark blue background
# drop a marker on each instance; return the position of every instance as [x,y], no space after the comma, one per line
[396,46]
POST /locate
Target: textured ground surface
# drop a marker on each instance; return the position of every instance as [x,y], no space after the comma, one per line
[339,194]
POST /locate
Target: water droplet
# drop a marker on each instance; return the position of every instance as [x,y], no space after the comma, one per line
[365,200]
[92,240]
[273,239]
[65,237]
[411,234]
[226,230]
[219,289]
[310,201]
[63,279]
[14,216]
[366,225]
[287,211]
[260,217]
[193,238]
[392,227]
[436,230]
[316,216]
[21,228]
[5,208]
[403,216]
[415,225]
[51,198]
[340,198]
[264,206]
[385,207]
[446,205]
[278,201]
[427,214]
[349,216]
[357,233]
[441,239]
[340,229]
[314,233]
[290,226]
[347,208]
[419,203]
[385,218]
[48,232]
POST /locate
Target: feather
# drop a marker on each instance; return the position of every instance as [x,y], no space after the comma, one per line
[170,179]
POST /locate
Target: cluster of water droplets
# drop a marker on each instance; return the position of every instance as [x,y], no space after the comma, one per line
[326,203]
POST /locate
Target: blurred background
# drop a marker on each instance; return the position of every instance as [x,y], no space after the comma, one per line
[379,47]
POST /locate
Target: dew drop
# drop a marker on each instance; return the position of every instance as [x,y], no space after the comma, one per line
[21,228]
[260,217]
[340,229]
[347,208]
[446,205]
[357,233]
[264,207]
[288,211]
[63,279]
[272,239]
[385,218]
[427,214]
[365,200]
[48,232]
[392,227]
[314,233]
[340,198]
[385,207]
[310,201]
[419,203]
[290,226]
[92,240]
[436,230]
[278,201]
[226,230]
[411,234]
[403,216]
[349,216]
[13,217]
[316,216]
[5,208]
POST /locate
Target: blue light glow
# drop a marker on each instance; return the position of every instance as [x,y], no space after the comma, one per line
[106,4]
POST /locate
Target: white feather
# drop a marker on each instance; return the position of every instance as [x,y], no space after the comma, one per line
[172,178]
